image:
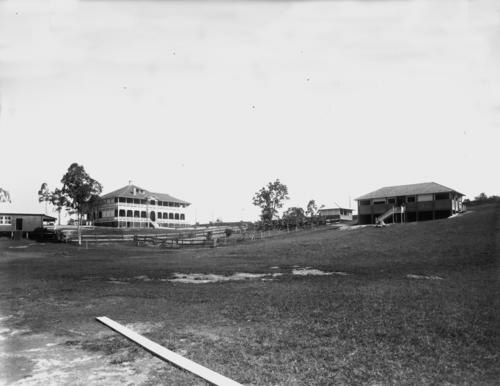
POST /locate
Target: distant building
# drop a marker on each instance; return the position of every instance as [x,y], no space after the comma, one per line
[24,222]
[336,214]
[415,202]
[135,207]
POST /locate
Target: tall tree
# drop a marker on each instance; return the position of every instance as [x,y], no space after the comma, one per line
[79,191]
[44,195]
[59,201]
[312,208]
[270,198]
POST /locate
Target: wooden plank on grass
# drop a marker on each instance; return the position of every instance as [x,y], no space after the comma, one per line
[170,356]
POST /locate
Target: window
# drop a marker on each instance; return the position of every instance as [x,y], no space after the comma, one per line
[171,216]
[143,214]
[152,202]
[183,217]
[379,201]
[165,215]
[410,199]
[177,216]
[391,201]
[122,212]
[137,201]
[425,197]
[5,220]
[136,213]
[100,214]
[364,202]
[122,199]
[129,213]
[442,196]
[116,212]
[130,200]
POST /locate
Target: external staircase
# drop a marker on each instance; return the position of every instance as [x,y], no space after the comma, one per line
[380,219]
[154,224]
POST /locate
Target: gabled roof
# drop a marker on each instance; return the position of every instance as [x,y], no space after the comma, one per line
[407,190]
[128,192]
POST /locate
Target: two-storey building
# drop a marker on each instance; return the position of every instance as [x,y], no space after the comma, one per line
[415,202]
[135,207]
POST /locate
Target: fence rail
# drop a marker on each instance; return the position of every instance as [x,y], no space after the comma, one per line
[208,237]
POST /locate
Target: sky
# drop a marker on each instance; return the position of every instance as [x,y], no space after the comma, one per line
[210,100]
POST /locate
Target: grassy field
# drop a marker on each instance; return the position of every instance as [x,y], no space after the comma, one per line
[376,325]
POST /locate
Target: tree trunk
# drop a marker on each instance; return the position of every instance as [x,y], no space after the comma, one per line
[79,229]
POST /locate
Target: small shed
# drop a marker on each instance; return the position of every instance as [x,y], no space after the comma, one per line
[23,222]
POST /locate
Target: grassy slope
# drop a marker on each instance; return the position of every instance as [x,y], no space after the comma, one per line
[374,326]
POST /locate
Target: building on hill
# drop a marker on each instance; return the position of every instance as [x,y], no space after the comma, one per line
[336,214]
[135,207]
[415,202]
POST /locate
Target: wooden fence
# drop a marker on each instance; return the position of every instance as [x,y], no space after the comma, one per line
[208,237]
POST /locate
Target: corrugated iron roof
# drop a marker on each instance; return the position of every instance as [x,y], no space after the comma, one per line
[407,190]
[128,192]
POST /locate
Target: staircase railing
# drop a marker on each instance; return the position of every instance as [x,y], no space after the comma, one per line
[380,219]
[154,224]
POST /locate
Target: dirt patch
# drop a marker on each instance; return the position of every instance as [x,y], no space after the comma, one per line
[203,278]
[307,271]
[424,277]
[34,359]
[353,227]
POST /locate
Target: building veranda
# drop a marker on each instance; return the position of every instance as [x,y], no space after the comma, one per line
[134,207]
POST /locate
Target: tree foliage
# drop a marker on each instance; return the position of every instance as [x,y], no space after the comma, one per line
[312,208]
[79,189]
[58,199]
[44,194]
[270,198]
[481,197]
[55,198]
[294,215]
